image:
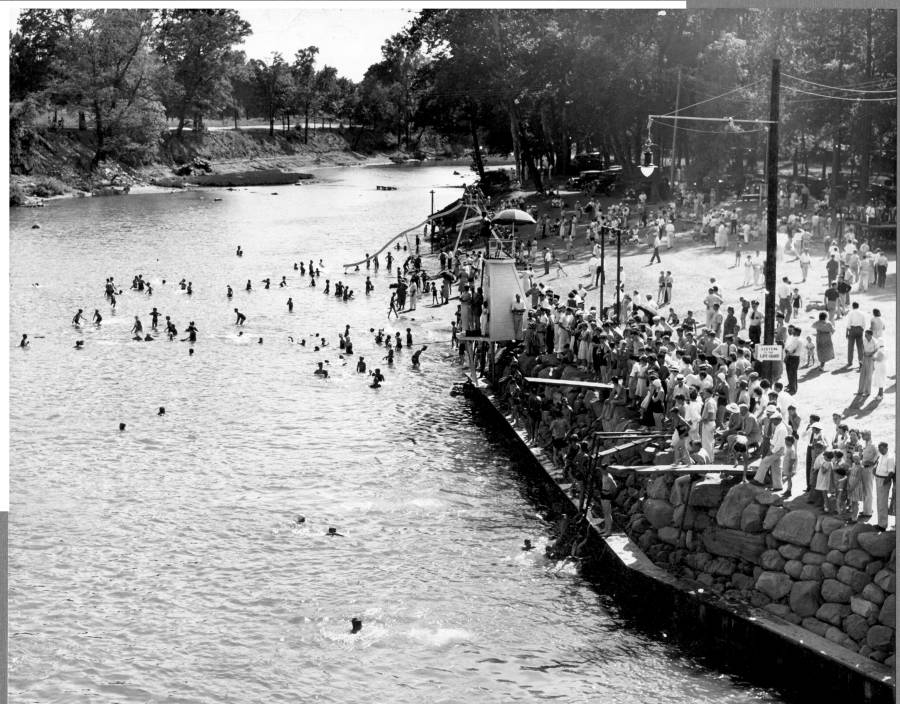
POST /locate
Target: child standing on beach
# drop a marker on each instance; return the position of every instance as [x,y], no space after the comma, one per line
[810,352]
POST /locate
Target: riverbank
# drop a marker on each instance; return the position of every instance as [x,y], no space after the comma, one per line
[741,637]
[57,163]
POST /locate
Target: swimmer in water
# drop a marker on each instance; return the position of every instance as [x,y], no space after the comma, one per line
[361,366]
[312,281]
[409,339]
[249,286]
[121,426]
[97,319]
[192,332]
[283,281]
[239,320]
[190,289]
[390,357]
[260,341]
[79,344]
[290,305]
[295,266]
[78,317]
[24,342]
[148,338]
[303,342]
[321,371]
[137,328]
[239,252]
[527,545]
[154,318]
[392,306]
[369,286]
[333,532]
[161,411]
[229,293]
[191,352]
[267,282]
[415,357]
[327,285]
[355,625]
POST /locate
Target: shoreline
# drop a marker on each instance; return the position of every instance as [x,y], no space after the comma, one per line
[327,161]
[741,638]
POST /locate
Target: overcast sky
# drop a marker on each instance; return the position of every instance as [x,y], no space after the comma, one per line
[349,38]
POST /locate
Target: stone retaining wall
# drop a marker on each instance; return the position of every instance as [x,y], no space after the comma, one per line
[740,541]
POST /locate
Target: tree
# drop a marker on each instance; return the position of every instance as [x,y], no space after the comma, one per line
[196,46]
[106,67]
[34,48]
[304,91]
[273,85]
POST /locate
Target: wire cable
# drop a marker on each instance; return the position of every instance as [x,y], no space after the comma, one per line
[851,90]
[716,97]
[690,129]
[837,97]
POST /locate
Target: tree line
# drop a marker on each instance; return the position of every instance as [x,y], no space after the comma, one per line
[543,85]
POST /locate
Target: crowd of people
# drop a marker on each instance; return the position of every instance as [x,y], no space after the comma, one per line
[696,377]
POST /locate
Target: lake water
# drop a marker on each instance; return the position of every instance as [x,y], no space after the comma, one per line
[163,564]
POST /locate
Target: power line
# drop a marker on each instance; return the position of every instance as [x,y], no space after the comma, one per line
[843,88]
[716,97]
[690,129]
[836,97]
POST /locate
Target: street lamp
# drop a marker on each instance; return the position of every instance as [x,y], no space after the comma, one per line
[647,166]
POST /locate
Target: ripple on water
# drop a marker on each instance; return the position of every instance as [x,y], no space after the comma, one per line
[164,563]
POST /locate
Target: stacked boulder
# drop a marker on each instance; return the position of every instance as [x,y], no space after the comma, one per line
[813,570]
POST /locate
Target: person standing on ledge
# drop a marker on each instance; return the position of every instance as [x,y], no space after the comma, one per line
[518,314]
[885,468]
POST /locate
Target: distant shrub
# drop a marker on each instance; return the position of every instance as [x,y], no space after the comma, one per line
[48,186]
[17,194]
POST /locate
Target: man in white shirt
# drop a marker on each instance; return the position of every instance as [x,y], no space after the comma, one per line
[856,323]
[793,347]
[784,398]
[777,432]
[708,422]
[884,480]
[593,269]
[692,414]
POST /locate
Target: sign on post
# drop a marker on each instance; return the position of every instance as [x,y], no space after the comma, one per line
[769,353]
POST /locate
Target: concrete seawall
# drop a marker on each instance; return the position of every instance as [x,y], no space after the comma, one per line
[748,640]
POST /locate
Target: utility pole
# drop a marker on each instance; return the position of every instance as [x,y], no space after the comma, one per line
[771,216]
[675,132]
[618,276]
[602,268]
[432,220]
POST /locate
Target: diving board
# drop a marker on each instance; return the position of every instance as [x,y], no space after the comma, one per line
[569,382]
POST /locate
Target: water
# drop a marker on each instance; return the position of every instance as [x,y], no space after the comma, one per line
[163,563]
